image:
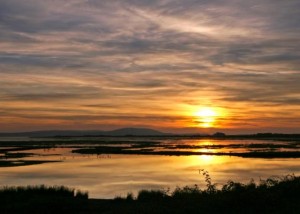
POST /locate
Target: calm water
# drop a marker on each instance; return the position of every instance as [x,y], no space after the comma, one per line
[107,176]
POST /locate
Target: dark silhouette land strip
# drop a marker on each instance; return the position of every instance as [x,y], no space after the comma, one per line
[113,150]
[285,146]
[273,195]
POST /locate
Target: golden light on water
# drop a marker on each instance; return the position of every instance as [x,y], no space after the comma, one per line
[206,158]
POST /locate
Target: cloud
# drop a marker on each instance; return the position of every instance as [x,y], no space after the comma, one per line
[121,57]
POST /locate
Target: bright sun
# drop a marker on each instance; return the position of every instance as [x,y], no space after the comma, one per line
[206,117]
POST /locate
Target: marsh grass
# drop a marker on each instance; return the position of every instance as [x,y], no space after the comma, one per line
[41,190]
[273,195]
[41,199]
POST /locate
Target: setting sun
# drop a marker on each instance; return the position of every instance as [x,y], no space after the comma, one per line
[206,117]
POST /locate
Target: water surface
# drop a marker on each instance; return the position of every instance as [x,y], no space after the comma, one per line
[110,175]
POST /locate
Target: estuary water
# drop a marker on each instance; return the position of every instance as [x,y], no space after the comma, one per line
[111,175]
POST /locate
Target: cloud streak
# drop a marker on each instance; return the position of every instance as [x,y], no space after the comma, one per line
[123,58]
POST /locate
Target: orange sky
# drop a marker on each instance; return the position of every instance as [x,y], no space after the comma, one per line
[104,65]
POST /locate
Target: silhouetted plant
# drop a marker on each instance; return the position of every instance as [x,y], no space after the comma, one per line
[273,195]
[211,188]
[118,198]
[81,195]
[42,199]
[145,195]
[42,190]
[186,192]
[129,196]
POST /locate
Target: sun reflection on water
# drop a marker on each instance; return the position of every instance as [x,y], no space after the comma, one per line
[207,158]
[205,143]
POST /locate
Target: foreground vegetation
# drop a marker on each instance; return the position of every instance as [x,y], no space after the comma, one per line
[274,195]
[41,199]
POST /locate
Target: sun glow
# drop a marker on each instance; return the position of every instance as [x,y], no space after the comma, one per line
[206,117]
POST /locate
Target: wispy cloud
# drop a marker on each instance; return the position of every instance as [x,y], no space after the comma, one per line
[84,58]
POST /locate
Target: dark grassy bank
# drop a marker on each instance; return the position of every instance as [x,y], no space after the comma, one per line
[274,195]
[42,199]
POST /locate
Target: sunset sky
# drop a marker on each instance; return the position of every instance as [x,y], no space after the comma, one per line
[177,66]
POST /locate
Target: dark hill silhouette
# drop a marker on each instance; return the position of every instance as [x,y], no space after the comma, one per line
[75,133]
[135,132]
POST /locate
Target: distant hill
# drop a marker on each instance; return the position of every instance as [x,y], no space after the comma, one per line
[135,132]
[74,133]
